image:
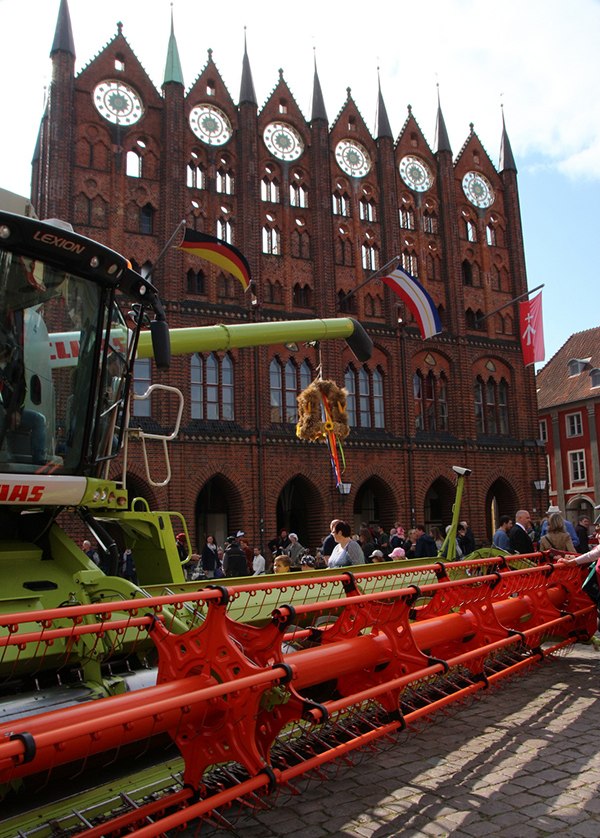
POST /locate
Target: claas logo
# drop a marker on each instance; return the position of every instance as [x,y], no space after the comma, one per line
[18,493]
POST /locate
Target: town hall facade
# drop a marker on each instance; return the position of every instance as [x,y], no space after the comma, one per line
[316,208]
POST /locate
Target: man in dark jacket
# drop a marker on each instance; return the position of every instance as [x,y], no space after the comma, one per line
[582,529]
[520,542]
[424,545]
[234,558]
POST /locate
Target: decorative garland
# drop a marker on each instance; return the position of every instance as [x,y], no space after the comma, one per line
[322,418]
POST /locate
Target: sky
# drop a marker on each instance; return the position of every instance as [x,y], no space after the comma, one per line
[536,61]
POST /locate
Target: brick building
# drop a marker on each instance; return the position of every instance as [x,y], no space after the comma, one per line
[569,417]
[315,208]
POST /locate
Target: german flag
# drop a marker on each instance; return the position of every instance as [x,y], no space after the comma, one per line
[220,253]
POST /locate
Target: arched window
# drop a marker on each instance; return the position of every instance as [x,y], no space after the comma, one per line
[434,270]
[133,164]
[490,234]
[224,181]
[271,240]
[467,273]
[341,203]
[430,399]
[269,189]
[285,384]
[346,304]
[195,177]
[211,387]
[147,220]
[196,282]
[302,295]
[410,262]
[407,218]
[300,241]
[225,230]
[366,209]
[274,293]
[227,287]
[344,252]
[298,195]
[370,256]
[430,222]
[470,230]
[491,406]
[364,402]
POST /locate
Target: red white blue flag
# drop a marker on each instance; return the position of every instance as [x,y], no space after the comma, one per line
[417,299]
[531,329]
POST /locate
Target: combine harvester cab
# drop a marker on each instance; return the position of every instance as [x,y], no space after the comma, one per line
[251,686]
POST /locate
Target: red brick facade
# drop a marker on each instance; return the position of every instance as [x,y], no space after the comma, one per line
[250,472]
[569,416]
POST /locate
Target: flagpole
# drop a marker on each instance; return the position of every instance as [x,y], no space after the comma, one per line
[370,278]
[509,303]
[181,224]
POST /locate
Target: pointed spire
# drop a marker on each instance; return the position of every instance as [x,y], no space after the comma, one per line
[382,122]
[247,93]
[318,104]
[173,72]
[63,36]
[442,141]
[507,161]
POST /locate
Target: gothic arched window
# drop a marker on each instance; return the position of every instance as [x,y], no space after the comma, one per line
[285,384]
[134,164]
[211,387]
[195,177]
[365,401]
[269,189]
[370,256]
[430,400]
[225,180]
[271,240]
[341,203]
[491,406]
[407,218]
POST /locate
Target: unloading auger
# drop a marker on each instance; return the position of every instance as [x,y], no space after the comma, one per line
[259,684]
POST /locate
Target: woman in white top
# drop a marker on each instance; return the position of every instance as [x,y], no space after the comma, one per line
[346,550]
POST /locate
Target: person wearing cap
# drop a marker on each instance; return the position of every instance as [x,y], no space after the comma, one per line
[552,509]
[307,563]
[376,556]
[398,553]
[180,541]
[234,558]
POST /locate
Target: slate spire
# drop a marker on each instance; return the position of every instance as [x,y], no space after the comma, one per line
[382,122]
[63,36]
[507,161]
[247,93]
[173,72]
[318,105]
[442,142]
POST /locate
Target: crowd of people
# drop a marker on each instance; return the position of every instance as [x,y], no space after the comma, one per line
[342,547]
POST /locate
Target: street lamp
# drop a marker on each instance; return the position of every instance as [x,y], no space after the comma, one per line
[540,486]
[344,488]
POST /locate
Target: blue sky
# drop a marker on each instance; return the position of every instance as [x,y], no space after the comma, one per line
[538,58]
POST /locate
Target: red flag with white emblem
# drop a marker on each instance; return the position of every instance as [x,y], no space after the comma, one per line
[531,328]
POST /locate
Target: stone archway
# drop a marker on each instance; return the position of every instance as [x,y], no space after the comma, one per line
[437,505]
[299,507]
[218,510]
[374,502]
[501,499]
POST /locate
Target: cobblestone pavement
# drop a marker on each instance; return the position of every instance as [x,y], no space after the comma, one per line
[519,761]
